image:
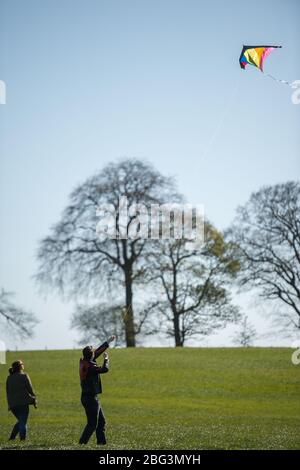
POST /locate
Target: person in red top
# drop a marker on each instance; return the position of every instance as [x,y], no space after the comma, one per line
[91,387]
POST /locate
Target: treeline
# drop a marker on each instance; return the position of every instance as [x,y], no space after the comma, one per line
[136,286]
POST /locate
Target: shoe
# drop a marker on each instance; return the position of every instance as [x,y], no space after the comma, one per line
[101,443]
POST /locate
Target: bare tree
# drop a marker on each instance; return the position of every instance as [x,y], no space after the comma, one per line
[245,335]
[96,322]
[193,282]
[266,233]
[14,319]
[74,259]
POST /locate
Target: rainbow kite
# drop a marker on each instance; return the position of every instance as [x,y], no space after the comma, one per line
[255,55]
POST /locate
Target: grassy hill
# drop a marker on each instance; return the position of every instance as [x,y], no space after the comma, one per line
[166,399]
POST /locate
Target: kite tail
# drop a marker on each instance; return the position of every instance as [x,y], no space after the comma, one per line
[277,79]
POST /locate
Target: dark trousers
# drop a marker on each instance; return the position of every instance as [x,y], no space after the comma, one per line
[21,413]
[95,420]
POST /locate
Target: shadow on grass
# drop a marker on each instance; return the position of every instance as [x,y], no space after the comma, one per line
[25,447]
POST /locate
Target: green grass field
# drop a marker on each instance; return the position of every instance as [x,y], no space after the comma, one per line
[166,399]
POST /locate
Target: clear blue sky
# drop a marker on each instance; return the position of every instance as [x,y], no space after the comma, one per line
[91,81]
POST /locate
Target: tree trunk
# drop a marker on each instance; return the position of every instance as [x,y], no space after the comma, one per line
[129,318]
[177,336]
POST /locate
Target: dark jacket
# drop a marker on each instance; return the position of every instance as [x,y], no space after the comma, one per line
[19,390]
[89,372]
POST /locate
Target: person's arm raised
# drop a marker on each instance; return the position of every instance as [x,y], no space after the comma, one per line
[104,346]
[95,369]
[105,365]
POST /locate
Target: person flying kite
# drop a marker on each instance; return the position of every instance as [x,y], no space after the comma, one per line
[91,386]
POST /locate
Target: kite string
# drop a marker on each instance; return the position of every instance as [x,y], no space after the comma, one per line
[222,119]
[277,79]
